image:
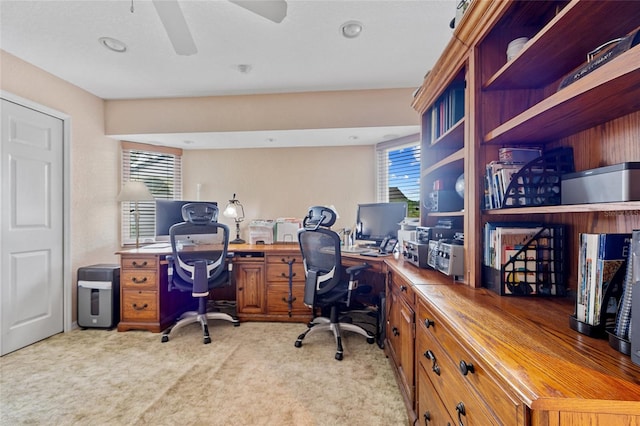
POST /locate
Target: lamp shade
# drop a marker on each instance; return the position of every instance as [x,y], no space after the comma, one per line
[135,191]
[230,211]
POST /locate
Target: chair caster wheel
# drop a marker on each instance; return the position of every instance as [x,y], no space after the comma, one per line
[370,340]
[297,344]
[339,356]
[207,340]
[236,324]
[165,339]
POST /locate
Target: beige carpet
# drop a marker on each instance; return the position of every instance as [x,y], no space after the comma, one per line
[248,375]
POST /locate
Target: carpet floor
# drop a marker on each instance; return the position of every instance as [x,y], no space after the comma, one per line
[248,375]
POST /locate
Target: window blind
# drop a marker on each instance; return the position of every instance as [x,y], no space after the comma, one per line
[160,169]
[398,170]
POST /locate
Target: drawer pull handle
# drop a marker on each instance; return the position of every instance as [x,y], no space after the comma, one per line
[435,367]
[427,418]
[139,265]
[429,323]
[137,281]
[466,368]
[283,260]
[287,300]
[395,331]
[403,288]
[140,308]
[461,412]
[283,275]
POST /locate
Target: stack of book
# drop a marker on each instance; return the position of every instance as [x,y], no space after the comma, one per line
[601,264]
[446,111]
[523,258]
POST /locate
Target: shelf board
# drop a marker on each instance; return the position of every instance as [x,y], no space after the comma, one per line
[623,206]
[452,137]
[446,214]
[562,45]
[455,160]
[609,92]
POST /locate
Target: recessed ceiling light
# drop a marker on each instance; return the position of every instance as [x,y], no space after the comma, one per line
[353,138]
[188,142]
[113,44]
[351,29]
[244,68]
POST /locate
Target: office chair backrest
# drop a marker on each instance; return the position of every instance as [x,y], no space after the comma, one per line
[199,219]
[319,216]
[321,255]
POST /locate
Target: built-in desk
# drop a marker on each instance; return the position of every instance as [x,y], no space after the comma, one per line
[260,280]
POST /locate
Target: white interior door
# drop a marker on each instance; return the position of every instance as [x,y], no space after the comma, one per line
[32,222]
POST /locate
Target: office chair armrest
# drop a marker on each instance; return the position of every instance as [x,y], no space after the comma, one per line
[356,269]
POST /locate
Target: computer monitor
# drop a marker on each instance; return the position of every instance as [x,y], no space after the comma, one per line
[375,221]
[168,213]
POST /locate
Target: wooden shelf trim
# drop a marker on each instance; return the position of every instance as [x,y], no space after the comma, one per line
[554,57]
[571,208]
[609,92]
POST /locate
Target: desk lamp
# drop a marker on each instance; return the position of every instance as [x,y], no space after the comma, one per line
[235,210]
[135,191]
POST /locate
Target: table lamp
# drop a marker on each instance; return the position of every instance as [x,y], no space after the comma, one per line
[235,210]
[135,191]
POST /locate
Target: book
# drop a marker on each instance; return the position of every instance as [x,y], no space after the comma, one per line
[600,257]
[613,251]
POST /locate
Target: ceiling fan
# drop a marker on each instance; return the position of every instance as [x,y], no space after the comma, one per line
[178,31]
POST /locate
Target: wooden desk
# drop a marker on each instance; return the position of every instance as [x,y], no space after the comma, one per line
[260,280]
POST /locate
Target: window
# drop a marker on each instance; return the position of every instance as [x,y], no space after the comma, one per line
[399,172]
[160,169]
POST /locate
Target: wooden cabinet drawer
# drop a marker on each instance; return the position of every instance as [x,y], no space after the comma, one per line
[466,368]
[279,272]
[142,262]
[138,279]
[403,288]
[277,300]
[285,258]
[458,398]
[429,409]
[139,305]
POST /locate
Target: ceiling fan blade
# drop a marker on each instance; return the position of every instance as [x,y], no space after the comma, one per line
[176,26]
[273,10]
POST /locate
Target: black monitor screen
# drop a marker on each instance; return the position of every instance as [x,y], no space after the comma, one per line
[168,213]
[379,220]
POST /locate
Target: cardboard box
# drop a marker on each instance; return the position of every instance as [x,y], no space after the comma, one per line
[619,182]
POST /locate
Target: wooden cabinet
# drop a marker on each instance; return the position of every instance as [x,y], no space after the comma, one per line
[262,286]
[486,359]
[466,388]
[400,330]
[519,103]
[279,301]
[251,292]
[145,302]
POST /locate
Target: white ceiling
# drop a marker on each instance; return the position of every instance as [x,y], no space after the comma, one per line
[400,41]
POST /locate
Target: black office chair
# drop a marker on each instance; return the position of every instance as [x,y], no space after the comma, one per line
[196,270]
[325,288]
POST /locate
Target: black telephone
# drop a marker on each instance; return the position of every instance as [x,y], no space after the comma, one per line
[388,245]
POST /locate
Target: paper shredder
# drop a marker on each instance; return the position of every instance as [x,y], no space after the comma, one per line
[99,296]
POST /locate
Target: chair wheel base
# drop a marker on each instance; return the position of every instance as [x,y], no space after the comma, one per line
[207,340]
[370,340]
[236,324]
[339,356]
[298,344]
[165,339]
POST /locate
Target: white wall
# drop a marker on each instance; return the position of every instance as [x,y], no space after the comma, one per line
[269,182]
[283,182]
